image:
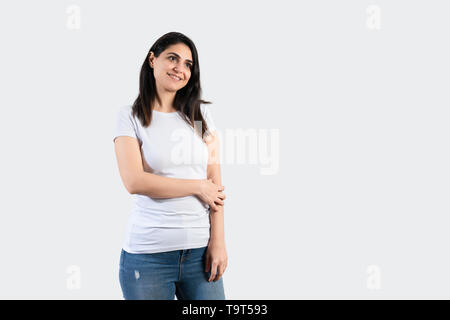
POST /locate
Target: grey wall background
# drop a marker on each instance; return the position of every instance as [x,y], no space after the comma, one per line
[358,91]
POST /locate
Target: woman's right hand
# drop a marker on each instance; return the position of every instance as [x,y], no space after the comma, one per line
[211,193]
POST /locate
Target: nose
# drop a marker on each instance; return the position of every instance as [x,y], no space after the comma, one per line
[177,69]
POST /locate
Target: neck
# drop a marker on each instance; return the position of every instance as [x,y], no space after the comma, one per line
[166,101]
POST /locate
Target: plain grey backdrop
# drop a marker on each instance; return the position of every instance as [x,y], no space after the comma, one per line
[358,206]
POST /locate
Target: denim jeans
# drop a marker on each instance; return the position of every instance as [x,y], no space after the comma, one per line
[162,275]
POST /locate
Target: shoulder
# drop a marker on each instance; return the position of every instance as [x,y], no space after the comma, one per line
[125,116]
[204,108]
[126,112]
[125,109]
[206,113]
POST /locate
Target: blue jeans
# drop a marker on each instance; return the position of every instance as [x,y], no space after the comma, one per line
[162,275]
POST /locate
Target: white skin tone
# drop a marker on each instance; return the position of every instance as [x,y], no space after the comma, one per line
[170,63]
[177,60]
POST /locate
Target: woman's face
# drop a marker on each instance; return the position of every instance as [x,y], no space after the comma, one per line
[172,69]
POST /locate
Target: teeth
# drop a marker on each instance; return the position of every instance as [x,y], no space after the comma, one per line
[175,77]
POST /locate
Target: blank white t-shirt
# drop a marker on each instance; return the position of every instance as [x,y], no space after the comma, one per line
[170,148]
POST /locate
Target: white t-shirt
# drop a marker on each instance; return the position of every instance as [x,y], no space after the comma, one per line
[170,148]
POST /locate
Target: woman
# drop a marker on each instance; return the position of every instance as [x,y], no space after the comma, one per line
[165,144]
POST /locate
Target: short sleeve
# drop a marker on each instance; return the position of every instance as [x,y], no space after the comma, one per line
[125,124]
[206,113]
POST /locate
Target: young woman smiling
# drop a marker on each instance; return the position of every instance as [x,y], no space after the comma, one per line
[175,242]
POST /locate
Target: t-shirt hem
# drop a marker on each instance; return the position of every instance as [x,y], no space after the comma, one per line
[172,248]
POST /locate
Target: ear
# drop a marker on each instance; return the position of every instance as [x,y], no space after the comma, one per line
[150,59]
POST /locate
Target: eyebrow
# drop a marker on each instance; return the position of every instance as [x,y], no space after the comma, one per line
[180,57]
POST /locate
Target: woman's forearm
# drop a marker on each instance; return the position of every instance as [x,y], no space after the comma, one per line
[156,186]
[217,233]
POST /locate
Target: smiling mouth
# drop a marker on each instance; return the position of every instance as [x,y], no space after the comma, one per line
[174,77]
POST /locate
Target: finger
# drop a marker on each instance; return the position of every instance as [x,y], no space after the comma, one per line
[219,202]
[221,188]
[213,271]
[221,270]
[213,274]
[213,205]
[222,196]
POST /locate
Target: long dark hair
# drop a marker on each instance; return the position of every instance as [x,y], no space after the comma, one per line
[187,100]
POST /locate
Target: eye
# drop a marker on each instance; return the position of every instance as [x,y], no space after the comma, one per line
[189,65]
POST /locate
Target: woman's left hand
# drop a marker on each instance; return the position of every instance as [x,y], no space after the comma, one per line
[216,259]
